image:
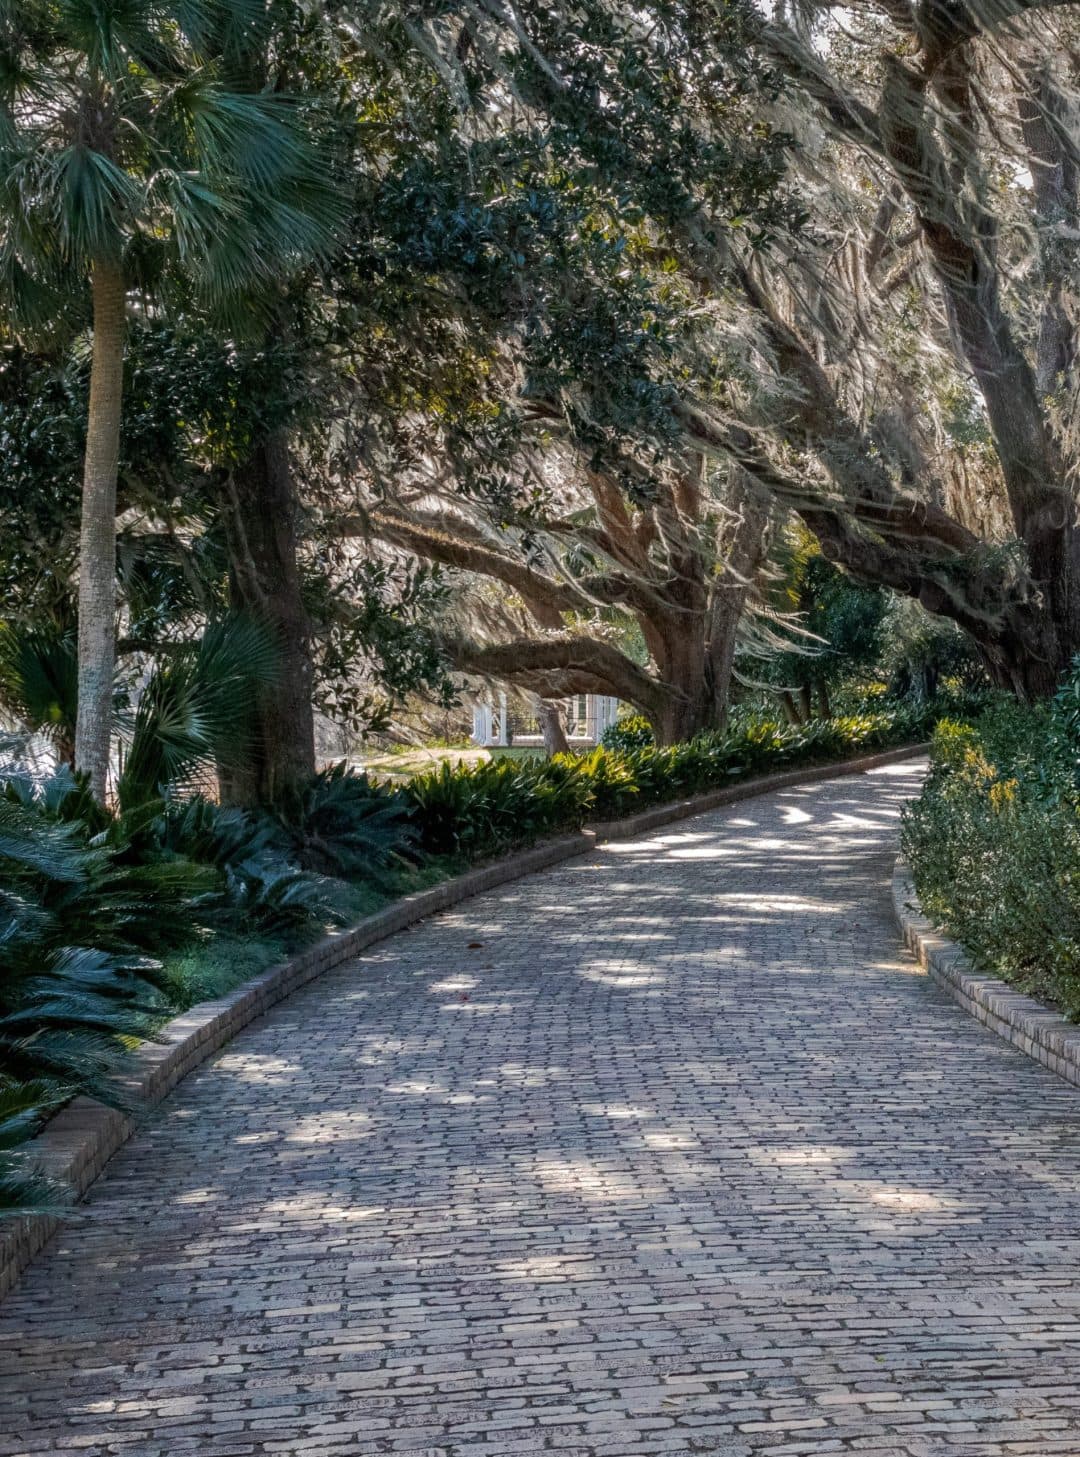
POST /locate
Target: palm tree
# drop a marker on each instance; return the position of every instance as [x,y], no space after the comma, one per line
[143,155]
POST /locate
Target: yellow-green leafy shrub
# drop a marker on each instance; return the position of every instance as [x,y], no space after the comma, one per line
[994,846]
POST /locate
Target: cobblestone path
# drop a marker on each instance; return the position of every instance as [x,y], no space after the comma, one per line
[665,1151]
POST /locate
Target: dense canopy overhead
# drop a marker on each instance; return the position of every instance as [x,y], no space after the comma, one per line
[573,305]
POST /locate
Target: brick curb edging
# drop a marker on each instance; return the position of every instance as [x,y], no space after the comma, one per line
[76,1145]
[1021,1020]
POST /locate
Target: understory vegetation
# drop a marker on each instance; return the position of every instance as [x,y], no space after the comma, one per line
[115,919]
[994,842]
[481,811]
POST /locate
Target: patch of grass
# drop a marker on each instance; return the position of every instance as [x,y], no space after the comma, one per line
[217,964]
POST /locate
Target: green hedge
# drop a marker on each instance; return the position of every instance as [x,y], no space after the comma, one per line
[474,812]
[994,843]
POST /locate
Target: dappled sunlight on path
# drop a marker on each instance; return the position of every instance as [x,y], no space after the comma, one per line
[667,1150]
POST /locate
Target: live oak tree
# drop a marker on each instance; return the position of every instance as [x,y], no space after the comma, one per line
[521,420]
[131,164]
[927,345]
[897,364]
[919,339]
[676,570]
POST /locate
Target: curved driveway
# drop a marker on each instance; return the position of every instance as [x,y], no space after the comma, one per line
[668,1150]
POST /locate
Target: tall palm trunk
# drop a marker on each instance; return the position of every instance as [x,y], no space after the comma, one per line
[97,538]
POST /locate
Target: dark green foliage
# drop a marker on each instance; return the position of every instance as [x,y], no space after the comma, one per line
[281,866]
[210,833]
[75,923]
[835,623]
[194,404]
[257,888]
[42,435]
[843,633]
[341,823]
[94,887]
[23,1108]
[378,615]
[197,710]
[38,681]
[919,650]
[211,161]
[272,896]
[471,813]
[994,842]
[62,796]
[632,732]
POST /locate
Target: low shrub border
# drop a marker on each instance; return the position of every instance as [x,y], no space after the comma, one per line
[80,1140]
[1019,1019]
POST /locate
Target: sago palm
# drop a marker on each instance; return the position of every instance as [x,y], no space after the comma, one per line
[143,148]
[75,982]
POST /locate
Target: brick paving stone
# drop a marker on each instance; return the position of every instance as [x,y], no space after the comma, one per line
[685,1157]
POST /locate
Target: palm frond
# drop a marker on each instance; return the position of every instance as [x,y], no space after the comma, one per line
[96,200]
[137,121]
[24,1107]
[39,680]
[197,709]
[272,895]
[30,843]
[341,823]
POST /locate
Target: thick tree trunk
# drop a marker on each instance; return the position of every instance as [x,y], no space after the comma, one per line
[261,526]
[689,705]
[697,643]
[677,721]
[551,726]
[698,670]
[1029,648]
[97,535]
[728,606]
[791,713]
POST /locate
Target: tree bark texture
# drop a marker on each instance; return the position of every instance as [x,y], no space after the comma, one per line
[261,519]
[97,533]
[551,726]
